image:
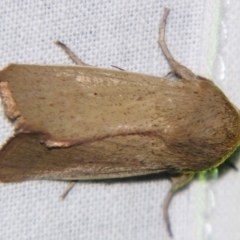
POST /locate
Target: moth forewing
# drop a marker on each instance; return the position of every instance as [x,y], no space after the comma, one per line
[117,108]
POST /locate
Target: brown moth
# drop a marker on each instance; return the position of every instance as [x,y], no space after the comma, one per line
[82,122]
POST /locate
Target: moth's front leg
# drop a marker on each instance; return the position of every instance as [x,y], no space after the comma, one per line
[177,68]
[177,183]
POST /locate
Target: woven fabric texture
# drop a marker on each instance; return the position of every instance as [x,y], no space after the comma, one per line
[203,35]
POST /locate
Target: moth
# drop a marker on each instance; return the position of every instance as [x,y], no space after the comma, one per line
[82,122]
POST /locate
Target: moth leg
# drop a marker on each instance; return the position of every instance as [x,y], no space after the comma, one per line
[72,55]
[121,69]
[177,182]
[169,74]
[177,68]
[231,165]
[68,189]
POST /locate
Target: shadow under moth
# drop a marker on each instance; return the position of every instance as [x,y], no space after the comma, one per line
[82,122]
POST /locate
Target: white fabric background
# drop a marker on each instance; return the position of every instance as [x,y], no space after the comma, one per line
[203,35]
